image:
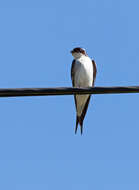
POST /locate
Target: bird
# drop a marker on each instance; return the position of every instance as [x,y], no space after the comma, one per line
[83,74]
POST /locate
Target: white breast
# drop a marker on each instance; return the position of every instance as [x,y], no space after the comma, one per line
[83,72]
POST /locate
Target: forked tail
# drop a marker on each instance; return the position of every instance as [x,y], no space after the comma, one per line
[79,121]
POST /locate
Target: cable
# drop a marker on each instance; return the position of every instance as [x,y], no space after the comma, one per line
[15,92]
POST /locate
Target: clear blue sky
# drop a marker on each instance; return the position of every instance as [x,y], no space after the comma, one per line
[38,147]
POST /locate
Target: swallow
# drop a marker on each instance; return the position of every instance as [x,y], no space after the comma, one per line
[83,74]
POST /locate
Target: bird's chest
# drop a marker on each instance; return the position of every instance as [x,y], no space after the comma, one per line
[84,73]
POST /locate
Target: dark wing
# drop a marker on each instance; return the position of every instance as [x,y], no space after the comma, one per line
[73,84]
[72,78]
[94,71]
[73,72]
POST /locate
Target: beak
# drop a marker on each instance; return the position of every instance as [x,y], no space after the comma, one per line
[71,51]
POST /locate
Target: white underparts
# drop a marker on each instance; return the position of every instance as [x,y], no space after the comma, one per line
[83,78]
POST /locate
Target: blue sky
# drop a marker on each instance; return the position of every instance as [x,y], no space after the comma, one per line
[38,147]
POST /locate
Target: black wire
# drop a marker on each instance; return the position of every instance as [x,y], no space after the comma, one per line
[15,92]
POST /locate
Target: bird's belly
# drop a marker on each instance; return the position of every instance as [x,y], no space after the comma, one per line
[83,77]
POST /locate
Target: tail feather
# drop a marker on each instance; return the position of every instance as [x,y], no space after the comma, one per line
[77,121]
[80,119]
[81,125]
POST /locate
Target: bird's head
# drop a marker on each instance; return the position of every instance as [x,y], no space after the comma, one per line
[78,52]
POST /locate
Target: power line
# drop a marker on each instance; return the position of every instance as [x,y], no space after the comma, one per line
[15,92]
